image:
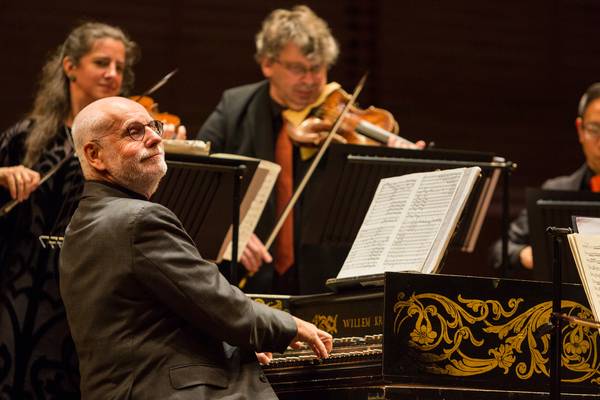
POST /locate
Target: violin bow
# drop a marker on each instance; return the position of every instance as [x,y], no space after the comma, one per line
[157,85]
[9,205]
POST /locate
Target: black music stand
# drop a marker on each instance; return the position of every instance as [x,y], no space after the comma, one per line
[556,208]
[556,324]
[558,319]
[350,181]
[205,193]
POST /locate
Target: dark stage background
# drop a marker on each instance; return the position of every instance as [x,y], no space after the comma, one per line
[500,75]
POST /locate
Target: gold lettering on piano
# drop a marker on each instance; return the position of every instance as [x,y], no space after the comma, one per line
[378,320]
[363,322]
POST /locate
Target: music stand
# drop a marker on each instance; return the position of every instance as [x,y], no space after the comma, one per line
[555,208]
[558,319]
[204,192]
[350,180]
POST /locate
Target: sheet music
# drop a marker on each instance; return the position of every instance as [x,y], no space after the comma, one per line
[586,252]
[409,222]
[587,225]
[253,205]
[424,217]
[388,206]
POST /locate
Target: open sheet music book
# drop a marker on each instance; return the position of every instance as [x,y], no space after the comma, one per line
[252,205]
[410,222]
[585,247]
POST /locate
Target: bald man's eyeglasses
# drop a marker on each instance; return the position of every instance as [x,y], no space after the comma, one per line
[136,130]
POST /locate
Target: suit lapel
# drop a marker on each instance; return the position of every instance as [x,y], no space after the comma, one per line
[576,180]
[260,128]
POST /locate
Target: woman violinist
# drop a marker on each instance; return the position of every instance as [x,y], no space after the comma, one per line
[95,61]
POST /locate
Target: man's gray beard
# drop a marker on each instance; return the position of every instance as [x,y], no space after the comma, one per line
[131,177]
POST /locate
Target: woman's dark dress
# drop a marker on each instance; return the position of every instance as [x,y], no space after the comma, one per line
[37,355]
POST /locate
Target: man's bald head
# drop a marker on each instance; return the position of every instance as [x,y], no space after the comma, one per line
[98,119]
[108,151]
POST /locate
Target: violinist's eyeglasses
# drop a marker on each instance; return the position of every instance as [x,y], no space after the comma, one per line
[592,129]
[300,70]
[136,130]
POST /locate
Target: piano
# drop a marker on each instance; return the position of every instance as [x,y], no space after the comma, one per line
[422,336]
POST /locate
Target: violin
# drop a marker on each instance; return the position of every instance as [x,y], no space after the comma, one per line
[371,126]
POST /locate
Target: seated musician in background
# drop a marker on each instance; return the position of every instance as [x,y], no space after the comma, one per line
[294,49]
[586,178]
[94,61]
[150,318]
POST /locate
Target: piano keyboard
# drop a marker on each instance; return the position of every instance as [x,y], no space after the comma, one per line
[344,349]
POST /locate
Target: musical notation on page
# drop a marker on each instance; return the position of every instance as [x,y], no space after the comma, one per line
[410,222]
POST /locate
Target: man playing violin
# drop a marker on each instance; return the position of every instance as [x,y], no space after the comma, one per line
[295,50]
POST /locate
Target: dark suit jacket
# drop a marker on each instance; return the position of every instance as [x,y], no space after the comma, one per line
[149,316]
[243,123]
[518,233]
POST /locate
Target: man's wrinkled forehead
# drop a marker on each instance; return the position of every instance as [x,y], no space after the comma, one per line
[106,123]
[117,114]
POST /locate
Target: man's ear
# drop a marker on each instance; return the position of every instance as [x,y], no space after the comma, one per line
[266,65]
[579,126]
[93,155]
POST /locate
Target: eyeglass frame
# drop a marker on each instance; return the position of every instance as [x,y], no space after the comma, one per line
[593,132]
[299,70]
[155,126]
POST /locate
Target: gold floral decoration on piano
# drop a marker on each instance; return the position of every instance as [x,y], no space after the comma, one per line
[273,303]
[327,323]
[447,335]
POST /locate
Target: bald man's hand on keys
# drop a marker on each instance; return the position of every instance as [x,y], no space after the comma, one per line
[319,341]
